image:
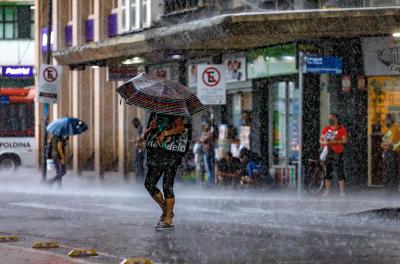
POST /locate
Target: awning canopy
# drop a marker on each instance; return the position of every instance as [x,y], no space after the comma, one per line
[239,32]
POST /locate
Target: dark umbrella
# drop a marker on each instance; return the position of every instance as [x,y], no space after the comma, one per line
[160,96]
[67,126]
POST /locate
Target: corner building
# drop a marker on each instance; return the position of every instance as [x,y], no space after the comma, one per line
[261,38]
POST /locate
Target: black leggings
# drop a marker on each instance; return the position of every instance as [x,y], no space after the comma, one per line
[153,176]
[334,165]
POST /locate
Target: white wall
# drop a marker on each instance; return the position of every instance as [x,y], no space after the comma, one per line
[15,52]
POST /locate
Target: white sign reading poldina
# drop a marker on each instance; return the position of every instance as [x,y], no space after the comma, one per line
[211,89]
[49,83]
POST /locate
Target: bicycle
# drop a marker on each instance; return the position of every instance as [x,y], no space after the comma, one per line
[315,177]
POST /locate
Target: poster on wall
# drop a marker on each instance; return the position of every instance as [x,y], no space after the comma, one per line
[162,72]
[235,69]
[192,75]
[381,56]
[244,136]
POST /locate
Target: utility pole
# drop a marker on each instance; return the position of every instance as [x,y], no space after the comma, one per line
[46,105]
[300,158]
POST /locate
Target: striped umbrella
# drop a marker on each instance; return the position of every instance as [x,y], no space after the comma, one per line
[160,96]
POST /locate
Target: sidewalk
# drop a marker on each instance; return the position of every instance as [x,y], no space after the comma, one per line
[18,255]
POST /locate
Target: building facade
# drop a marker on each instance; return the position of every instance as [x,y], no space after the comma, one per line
[257,41]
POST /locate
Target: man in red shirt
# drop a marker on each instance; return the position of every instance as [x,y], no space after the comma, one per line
[335,137]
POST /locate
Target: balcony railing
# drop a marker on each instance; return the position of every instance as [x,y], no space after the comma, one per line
[316,4]
[178,6]
[182,11]
[173,7]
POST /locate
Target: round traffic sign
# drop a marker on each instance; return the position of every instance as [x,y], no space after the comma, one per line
[211,76]
[50,74]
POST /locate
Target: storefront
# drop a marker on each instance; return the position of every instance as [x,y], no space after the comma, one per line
[382,66]
[275,130]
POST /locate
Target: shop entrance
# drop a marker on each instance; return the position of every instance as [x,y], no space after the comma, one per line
[283,122]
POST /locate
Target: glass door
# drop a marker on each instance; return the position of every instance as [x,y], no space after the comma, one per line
[283,128]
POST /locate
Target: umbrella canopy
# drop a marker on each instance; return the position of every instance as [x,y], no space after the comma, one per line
[159,95]
[67,126]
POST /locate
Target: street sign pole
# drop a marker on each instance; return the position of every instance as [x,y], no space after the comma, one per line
[300,158]
[46,105]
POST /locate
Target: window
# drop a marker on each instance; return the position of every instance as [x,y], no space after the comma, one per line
[135,14]
[125,14]
[17,22]
[70,10]
[145,14]
[91,7]
[115,4]
[17,119]
[8,22]
[32,23]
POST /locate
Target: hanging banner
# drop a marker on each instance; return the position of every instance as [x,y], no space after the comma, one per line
[211,88]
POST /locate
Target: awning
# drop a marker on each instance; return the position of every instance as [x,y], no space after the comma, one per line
[239,32]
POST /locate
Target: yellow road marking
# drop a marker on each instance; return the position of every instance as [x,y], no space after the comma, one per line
[82,252]
[46,245]
[8,238]
[136,261]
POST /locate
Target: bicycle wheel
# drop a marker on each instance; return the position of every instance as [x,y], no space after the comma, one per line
[315,180]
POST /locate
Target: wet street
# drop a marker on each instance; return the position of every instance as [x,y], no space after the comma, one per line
[212,225]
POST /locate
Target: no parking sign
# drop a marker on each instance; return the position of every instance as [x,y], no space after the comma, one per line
[49,83]
[211,88]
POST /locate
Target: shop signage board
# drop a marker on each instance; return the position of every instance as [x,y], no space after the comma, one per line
[121,73]
[324,65]
[17,71]
[49,83]
[381,56]
[273,61]
[211,88]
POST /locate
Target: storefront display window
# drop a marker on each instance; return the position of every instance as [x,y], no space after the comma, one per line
[383,101]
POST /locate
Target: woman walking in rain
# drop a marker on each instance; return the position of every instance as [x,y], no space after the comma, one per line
[167,136]
[167,141]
